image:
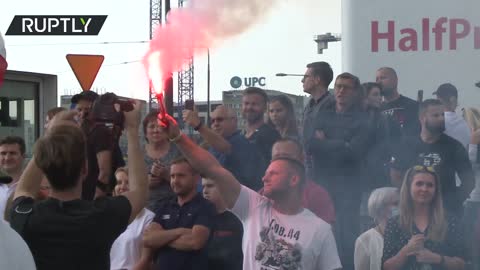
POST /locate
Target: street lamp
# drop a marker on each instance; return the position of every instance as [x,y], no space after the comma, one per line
[323,40]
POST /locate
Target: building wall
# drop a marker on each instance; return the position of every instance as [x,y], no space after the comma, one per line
[402,36]
[25,98]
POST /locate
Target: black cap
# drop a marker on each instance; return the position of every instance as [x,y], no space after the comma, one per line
[87,95]
[446,90]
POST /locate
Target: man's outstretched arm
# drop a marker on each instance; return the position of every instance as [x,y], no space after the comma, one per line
[205,163]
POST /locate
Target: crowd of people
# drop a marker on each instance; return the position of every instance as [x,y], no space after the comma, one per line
[273,196]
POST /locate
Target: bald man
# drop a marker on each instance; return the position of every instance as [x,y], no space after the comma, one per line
[402,109]
[228,145]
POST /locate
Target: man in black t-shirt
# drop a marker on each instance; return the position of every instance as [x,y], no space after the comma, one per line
[261,135]
[64,231]
[400,108]
[225,246]
[435,149]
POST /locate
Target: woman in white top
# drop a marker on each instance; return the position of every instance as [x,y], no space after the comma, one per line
[382,204]
[127,248]
[14,252]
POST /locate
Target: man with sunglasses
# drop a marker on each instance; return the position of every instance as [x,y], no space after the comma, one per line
[227,144]
[434,149]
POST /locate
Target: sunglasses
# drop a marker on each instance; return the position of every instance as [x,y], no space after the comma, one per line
[421,168]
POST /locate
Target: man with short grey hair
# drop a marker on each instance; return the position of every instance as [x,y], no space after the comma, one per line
[227,144]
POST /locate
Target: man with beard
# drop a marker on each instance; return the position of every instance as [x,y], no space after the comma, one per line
[260,135]
[278,232]
[434,149]
[177,238]
[402,109]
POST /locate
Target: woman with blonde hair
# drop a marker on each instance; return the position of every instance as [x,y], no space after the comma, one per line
[423,236]
[127,249]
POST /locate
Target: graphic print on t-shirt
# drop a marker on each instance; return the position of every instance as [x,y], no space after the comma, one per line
[274,252]
[398,114]
[429,159]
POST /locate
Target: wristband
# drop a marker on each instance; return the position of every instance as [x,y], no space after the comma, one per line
[198,126]
[176,139]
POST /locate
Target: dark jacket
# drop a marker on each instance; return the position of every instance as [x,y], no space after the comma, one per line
[383,136]
[338,158]
[311,111]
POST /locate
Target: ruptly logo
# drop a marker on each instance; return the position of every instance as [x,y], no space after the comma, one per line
[61,25]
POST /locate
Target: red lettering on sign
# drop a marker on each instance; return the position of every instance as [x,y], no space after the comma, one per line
[456,28]
[438,30]
[476,37]
[411,39]
[426,38]
[454,34]
[390,36]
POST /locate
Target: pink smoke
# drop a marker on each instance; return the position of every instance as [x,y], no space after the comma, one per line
[191,30]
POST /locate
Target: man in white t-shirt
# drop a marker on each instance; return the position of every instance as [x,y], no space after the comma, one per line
[278,232]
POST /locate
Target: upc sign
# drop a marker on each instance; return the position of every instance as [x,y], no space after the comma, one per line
[237,82]
[24,25]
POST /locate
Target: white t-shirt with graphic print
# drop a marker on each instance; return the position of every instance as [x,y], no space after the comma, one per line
[273,241]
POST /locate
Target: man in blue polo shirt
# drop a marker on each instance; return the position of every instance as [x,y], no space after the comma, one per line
[178,235]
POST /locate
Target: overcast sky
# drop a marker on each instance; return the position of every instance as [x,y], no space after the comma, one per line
[282,41]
